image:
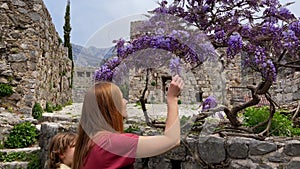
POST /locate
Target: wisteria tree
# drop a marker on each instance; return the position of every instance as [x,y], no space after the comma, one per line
[162,41]
[265,31]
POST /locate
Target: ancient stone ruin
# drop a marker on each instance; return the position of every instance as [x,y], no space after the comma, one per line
[33,59]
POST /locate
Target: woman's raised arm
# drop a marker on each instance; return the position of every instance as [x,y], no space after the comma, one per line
[154,145]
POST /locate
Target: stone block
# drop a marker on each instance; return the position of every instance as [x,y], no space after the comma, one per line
[20,57]
[292,148]
[237,148]
[261,147]
[159,162]
[177,153]
[278,157]
[242,164]
[211,149]
[294,163]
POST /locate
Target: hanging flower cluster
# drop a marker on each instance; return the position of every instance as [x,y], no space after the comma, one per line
[106,71]
[209,103]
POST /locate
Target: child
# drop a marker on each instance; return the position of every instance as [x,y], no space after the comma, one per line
[61,150]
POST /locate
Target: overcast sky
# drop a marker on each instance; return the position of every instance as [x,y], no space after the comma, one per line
[97,22]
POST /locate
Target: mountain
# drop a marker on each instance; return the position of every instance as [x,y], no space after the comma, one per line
[91,56]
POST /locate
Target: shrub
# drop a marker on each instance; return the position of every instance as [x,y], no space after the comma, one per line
[5,90]
[70,102]
[49,107]
[32,158]
[13,156]
[179,101]
[132,129]
[35,162]
[57,107]
[281,124]
[184,119]
[22,135]
[37,111]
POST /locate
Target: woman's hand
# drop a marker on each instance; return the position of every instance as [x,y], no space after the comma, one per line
[175,87]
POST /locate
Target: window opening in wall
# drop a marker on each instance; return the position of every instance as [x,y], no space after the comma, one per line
[88,74]
[80,74]
[165,80]
[199,96]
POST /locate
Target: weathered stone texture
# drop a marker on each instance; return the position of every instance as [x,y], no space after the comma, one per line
[33,59]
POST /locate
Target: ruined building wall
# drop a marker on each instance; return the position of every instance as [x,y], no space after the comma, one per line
[33,59]
[83,79]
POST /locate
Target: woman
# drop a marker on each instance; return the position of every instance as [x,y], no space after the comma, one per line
[103,145]
[61,150]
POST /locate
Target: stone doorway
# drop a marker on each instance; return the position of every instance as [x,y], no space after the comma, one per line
[165,84]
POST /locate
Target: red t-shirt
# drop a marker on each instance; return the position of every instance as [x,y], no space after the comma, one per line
[112,151]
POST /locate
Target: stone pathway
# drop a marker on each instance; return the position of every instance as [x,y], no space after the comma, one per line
[134,111]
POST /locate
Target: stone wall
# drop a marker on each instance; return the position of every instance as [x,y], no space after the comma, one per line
[158,82]
[287,87]
[83,79]
[33,59]
[228,153]
[211,78]
[211,151]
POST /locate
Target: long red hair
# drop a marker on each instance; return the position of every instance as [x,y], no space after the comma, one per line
[109,100]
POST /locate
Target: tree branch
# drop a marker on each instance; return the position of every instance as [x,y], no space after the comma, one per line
[281,56]
[142,99]
[272,112]
[296,111]
[288,66]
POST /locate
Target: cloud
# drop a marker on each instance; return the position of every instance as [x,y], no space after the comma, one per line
[89,17]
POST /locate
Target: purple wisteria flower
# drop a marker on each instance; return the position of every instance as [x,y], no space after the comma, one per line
[259,55]
[295,26]
[220,36]
[167,43]
[209,103]
[235,45]
[175,66]
[246,31]
[270,71]
[284,12]
[270,2]
[290,40]
[256,58]
[103,74]
[158,42]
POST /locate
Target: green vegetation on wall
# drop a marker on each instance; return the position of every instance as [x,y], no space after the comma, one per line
[37,111]
[49,107]
[32,158]
[22,135]
[5,90]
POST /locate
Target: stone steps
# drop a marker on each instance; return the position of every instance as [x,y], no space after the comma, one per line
[69,113]
[72,112]
[17,164]
[13,165]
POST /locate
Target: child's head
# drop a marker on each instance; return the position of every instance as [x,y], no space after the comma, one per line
[61,149]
